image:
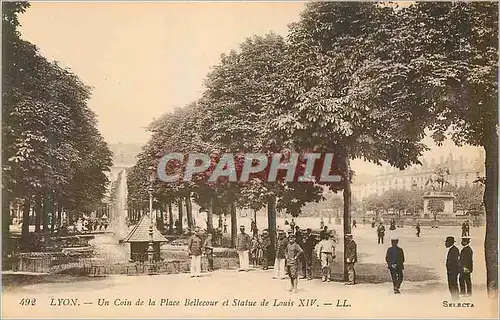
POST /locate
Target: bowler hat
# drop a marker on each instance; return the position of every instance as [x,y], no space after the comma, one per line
[450,239]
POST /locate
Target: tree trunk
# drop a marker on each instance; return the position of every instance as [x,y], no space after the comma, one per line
[6,219]
[189,211]
[71,217]
[159,219]
[38,213]
[210,215]
[25,232]
[491,206]
[234,225]
[59,216]
[255,218]
[181,216]
[53,218]
[47,207]
[347,210]
[60,220]
[271,225]
[170,218]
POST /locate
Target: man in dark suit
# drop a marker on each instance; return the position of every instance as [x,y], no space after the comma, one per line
[381,233]
[308,247]
[452,266]
[395,259]
[465,268]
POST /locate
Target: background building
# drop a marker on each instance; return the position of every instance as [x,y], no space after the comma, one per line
[463,171]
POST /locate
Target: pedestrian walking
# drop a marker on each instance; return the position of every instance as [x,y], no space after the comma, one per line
[225,225]
[373,222]
[279,263]
[418,229]
[354,223]
[326,254]
[452,266]
[465,229]
[322,224]
[351,257]
[292,254]
[381,233]
[466,268]
[292,225]
[209,251]
[194,246]
[243,246]
[308,247]
[395,259]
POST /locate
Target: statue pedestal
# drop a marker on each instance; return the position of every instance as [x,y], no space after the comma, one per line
[446,197]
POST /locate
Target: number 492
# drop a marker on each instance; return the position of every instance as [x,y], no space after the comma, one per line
[28,302]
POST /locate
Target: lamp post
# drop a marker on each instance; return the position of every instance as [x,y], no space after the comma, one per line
[151,249]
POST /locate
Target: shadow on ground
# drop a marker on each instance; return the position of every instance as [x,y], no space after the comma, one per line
[13,281]
[376,272]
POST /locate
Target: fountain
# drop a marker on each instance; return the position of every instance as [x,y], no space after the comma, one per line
[120,228]
[109,247]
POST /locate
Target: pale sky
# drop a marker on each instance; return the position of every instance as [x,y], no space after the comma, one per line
[144,59]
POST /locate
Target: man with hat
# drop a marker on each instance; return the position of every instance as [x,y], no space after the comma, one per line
[308,247]
[326,254]
[194,247]
[452,266]
[466,268]
[351,257]
[279,263]
[266,248]
[292,254]
[381,233]
[395,259]
[243,245]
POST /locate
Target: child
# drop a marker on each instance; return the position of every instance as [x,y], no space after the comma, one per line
[254,251]
[293,251]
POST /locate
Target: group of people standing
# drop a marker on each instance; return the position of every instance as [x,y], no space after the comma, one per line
[459,264]
[294,252]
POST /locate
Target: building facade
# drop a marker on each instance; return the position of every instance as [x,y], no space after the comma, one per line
[463,171]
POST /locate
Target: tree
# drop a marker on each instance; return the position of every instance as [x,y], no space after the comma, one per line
[435,206]
[232,118]
[442,58]
[321,103]
[52,151]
